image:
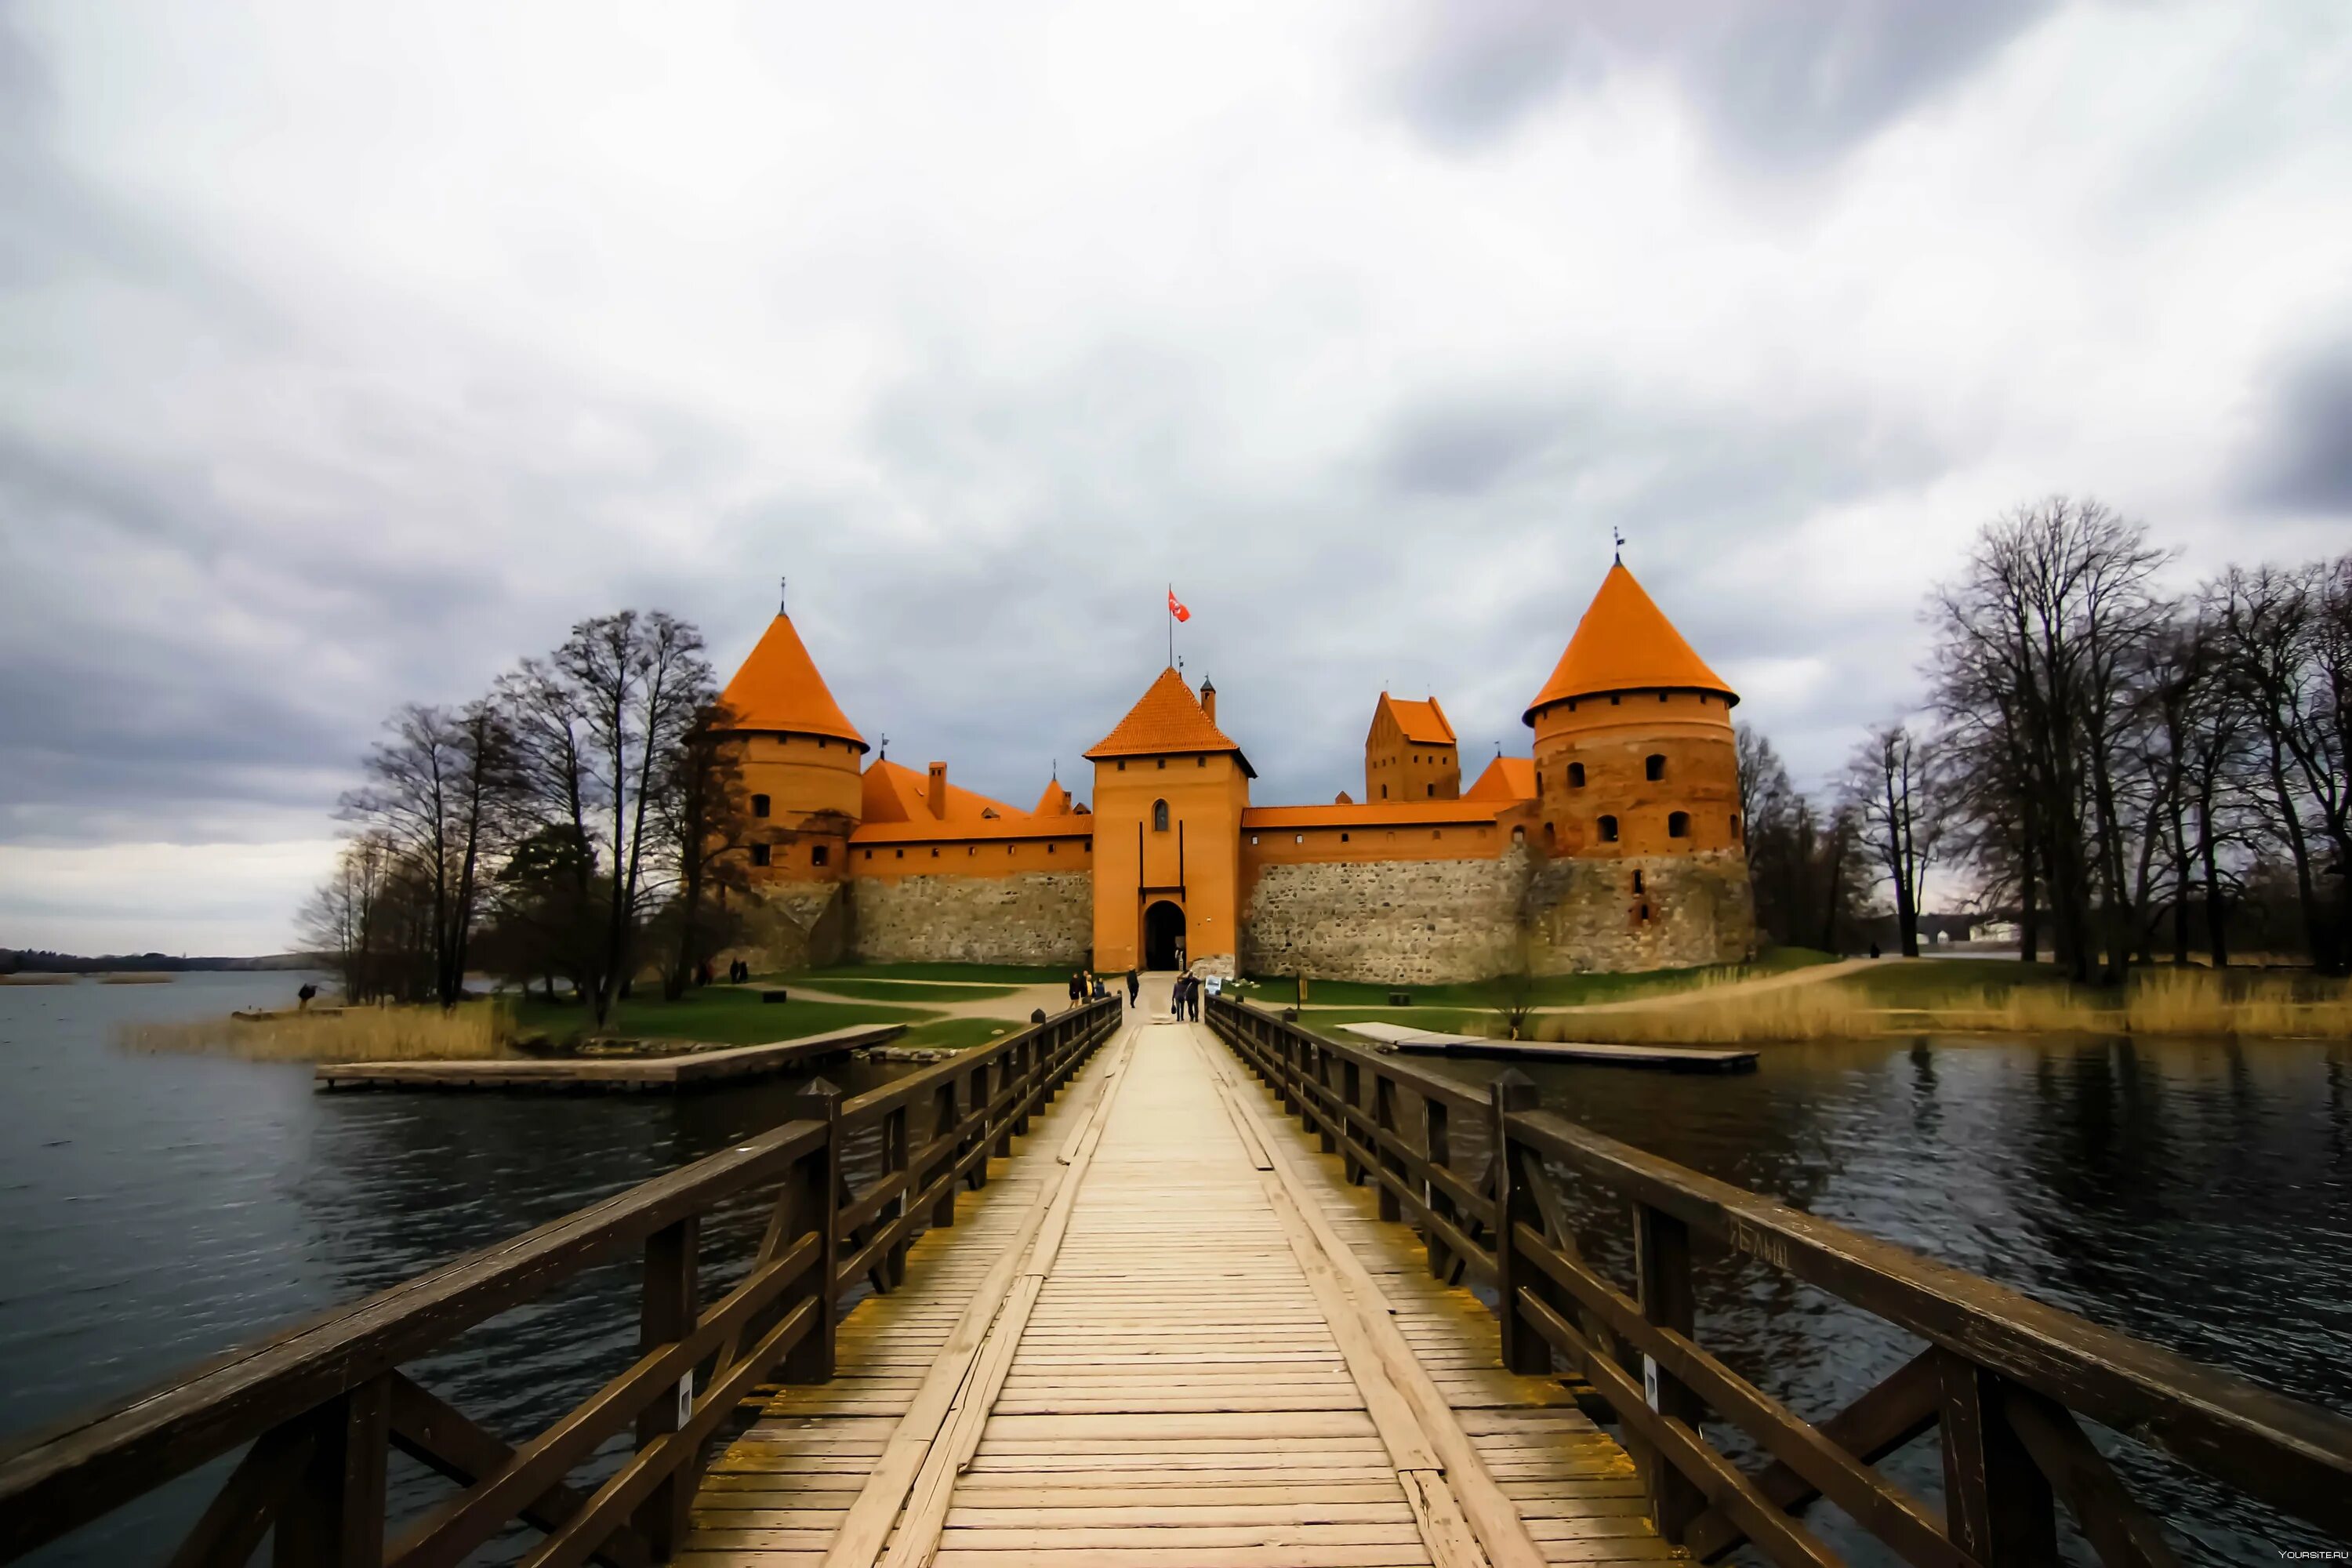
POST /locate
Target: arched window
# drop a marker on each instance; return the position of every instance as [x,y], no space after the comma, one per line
[759,805]
[1607,825]
[1637,881]
[1576,776]
[758,854]
[1384,792]
[1654,767]
[1519,834]
[1432,789]
[1551,838]
[819,855]
[1734,825]
[1678,824]
[1159,817]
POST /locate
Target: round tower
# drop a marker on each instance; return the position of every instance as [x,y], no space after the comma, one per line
[801,762]
[1633,748]
[1637,795]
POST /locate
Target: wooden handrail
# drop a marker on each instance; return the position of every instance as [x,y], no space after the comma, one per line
[322,1402]
[2003,1380]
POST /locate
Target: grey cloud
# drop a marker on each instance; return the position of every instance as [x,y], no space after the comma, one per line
[1777,82]
[2303,462]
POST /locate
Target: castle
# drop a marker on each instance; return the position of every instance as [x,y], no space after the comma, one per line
[1615,845]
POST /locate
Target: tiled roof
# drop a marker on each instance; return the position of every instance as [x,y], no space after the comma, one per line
[1166,719]
[1054,802]
[894,794]
[778,688]
[1423,723]
[1507,779]
[1624,643]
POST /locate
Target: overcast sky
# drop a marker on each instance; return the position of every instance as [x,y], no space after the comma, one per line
[350,351]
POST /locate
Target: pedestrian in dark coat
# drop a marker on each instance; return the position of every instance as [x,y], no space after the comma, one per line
[1134,987]
[1193,998]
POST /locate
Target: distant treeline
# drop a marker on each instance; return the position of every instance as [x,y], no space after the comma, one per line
[14,960]
[2124,771]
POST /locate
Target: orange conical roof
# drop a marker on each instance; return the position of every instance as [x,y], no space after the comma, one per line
[1166,719]
[1624,643]
[779,689]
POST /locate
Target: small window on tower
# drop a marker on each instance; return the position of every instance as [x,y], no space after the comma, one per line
[1637,881]
[1654,767]
[1734,825]
[1576,776]
[1432,789]
[819,855]
[1678,824]
[758,854]
[1159,817]
[759,805]
[1607,825]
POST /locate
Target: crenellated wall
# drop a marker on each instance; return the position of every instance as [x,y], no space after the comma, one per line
[1033,917]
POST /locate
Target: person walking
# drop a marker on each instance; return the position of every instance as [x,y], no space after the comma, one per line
[1193,998]
[1176,999]
[1134,986]
[1078,987]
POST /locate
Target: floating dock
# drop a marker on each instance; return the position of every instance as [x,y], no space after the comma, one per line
[1667,1059]
[608,1075]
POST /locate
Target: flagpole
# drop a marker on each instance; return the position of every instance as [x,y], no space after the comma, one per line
[1171,625]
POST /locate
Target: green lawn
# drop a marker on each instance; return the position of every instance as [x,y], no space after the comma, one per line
[718,1013]
[968,974]
[1934,981]
[899,989]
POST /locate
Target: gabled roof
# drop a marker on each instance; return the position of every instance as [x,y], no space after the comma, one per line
[778,688]
[891,793]
[1506,779]
[1422,724]
[1624,643]
[1166,720]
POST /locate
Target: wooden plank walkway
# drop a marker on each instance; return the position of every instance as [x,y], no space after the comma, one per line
[1167,1334]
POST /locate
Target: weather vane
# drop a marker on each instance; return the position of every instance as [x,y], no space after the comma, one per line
[783,587]
[1619,535]
[884,751]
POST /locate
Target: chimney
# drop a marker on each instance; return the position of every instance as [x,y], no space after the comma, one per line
[1208,700]
[939,790]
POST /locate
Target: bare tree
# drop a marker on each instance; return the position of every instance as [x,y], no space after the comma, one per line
[440,792]
[1889,790]
[703,813]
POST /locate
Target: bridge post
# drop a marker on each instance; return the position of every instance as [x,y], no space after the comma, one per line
[335,1515]
[1327,1138]
[1437,1144]
[1352,1087]
[1384,1129]
[814,1192]
[1020,1072]
[666,1313]
[943,1122]
[1999,1507]
[894,1162]
[1661,1272]
[1525,1350]
[981,1091]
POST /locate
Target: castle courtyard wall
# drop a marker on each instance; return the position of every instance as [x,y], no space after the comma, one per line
[1418,921]
[1033,917]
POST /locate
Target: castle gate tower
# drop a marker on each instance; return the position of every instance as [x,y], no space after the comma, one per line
[1170,791]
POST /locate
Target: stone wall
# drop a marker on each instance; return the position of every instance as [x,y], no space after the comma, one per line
[1388,921]
[1584,915]
[1033,917]
[792,925]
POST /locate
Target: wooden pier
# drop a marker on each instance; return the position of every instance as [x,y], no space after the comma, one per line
[1665,1058]
[609,1074]
[1117,1313]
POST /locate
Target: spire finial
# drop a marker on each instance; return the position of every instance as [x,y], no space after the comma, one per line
[884,750]
[1619,535]
[783,589]
[1057,770]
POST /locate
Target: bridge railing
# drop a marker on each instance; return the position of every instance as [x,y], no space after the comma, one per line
[319,1408]
[2006,1382]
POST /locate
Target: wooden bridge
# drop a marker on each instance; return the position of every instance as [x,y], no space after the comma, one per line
[1118,1314]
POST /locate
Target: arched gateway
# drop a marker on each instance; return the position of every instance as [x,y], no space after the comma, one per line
[1163,936]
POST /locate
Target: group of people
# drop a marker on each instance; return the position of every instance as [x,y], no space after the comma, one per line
[1184,1002]
[1086,983]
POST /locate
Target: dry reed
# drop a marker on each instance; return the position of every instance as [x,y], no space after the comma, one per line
[134,980]
[477,1030]
[2164,1002]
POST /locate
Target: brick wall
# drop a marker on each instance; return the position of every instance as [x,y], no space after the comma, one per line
[1584,915]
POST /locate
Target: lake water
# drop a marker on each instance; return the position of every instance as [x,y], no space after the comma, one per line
[157,1209]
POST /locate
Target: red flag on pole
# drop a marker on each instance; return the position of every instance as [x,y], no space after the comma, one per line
[1176,607]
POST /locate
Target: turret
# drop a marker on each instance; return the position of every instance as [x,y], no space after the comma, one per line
[1633,749]
[800,759]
